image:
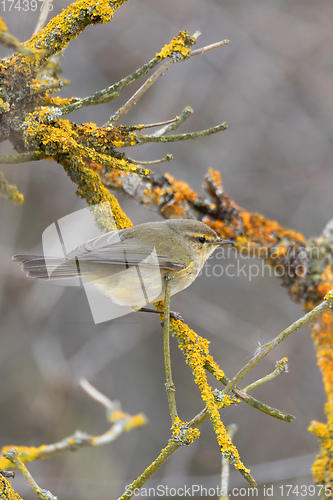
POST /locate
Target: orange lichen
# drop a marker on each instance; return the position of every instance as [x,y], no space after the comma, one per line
[265,231]
[327,281]
[322,468]
[155,195]
[181,189]
[180,193]
[322,333]
[222,228]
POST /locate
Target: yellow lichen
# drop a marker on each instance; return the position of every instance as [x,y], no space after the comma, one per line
[4,106]
[183,433]
[196,352]
[6,490]
[3,26]
[27,454]
[179,46]
[135,421]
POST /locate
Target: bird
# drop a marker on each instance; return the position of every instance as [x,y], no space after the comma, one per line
[131,265]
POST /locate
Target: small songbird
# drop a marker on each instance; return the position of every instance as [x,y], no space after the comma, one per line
[130,265]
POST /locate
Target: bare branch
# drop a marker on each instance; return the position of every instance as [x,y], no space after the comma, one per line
[175,123]
[143,89]
[168,157]
[169,385]
[14,456]
[42,16]
[111,92]
[282,336]
[209,47]
[21,158]
[225,470]
[180,137]
[280,367]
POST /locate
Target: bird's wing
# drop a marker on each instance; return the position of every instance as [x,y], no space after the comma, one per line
[110,249]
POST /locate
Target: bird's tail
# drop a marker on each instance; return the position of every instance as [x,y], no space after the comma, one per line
[48,268]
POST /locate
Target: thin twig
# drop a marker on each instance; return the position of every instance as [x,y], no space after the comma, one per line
[42,16]
[158,124]
[161,459]
[143,89]
[168,157]
[209,47]
[132,488]
[9,191]
[278,339]
[94,393]
[139,93]
[175,123]
[21,158]
[169,385]
[9,40]
[14,456]
[280,367]
[144,139]
[54,86]
[7,473]
[111,92]
[120,422]
[225,472]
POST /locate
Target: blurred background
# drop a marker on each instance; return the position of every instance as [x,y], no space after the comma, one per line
[273,86]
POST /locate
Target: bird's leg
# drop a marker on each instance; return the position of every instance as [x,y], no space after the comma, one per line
[169,385]
[172,314]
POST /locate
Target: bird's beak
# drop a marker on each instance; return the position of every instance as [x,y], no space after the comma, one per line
[220,241]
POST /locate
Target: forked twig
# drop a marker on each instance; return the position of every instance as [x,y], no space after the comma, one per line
[175,123]
[279,338]
[280,367]
[111,92]
[143,89]
[14,456]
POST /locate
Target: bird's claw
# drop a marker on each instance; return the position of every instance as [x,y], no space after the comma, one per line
[174,315]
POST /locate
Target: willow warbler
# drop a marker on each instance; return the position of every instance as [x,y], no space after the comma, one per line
[130,265]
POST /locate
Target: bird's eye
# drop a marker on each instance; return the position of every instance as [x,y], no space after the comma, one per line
[201,239]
